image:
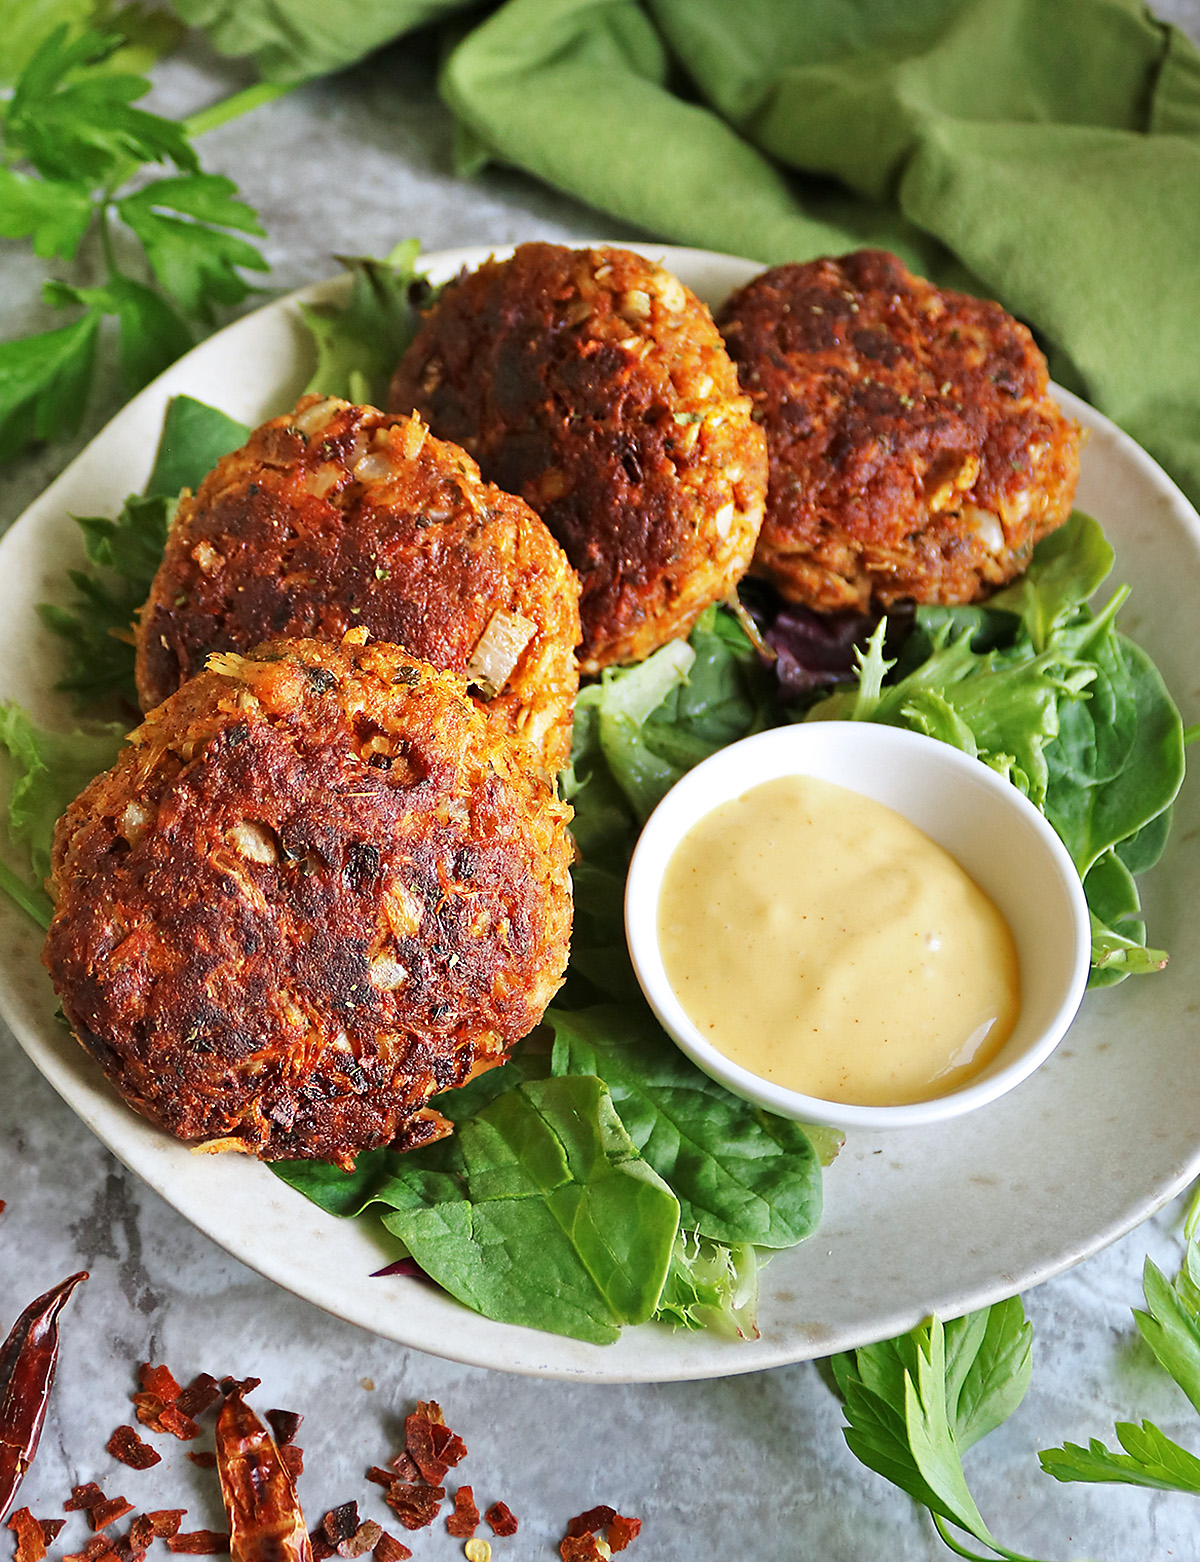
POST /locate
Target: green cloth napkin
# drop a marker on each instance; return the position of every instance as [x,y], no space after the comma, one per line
[1042,152]
[1049,151]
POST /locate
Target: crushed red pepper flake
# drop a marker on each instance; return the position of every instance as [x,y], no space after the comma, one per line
[502,1519]
[432,1445]
[98,1546]
[383,1477]
[83,1497]
[365,1538]
[405,1468]
[241,1386]
[165,1522]
[200,1395]
[31,1541]
[389,1549]
[414,1506]
[159,1381]
[340,1522]
[141,1533]
[51,1529]
[102,1514]
[464,1521]
[621,1531]
[292,1457]
[200,1542]
[582,1548]
[172,1419]
[204,1457]
[131,1450]
[285,1424]
[148,1408]
[320,1546]
[591,1522]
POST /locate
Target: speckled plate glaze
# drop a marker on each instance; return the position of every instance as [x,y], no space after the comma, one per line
[939,1219]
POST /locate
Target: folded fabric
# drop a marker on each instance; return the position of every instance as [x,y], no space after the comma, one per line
[1044,155]
[1047,155]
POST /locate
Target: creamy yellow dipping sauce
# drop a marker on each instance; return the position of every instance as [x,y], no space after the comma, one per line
[826,944]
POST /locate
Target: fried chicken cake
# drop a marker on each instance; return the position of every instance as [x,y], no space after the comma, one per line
[595,385]
[338,516]
[317,887]
[915,450]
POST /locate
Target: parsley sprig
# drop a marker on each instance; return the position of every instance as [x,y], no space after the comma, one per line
[1171,1327]
[915,1404]
[74,158]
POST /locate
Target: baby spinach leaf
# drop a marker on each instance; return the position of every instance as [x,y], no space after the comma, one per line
[1118,761]
[741,1175]
[1067,567]
[538,1211]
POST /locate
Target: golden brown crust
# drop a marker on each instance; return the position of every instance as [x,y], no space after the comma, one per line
[595,385]
[338,516]
[915,449]
[315,889]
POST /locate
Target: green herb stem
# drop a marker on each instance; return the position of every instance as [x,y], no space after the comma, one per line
[940,1524]
[31,901]
[244,102]
[1190,734]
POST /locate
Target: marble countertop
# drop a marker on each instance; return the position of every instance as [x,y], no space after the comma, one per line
[746,1466]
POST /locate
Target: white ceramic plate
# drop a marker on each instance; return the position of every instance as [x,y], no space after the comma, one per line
[939,1219]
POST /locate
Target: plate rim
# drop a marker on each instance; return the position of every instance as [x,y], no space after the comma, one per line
[720,1358]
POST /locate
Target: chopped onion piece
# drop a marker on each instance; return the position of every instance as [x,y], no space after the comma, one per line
[498,651]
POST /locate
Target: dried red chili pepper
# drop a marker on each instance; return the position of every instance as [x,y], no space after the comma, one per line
[265,1520]
[27,1361]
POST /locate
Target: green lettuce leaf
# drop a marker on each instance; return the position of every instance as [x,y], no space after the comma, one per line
[1057,700]
[711,1286]
[360,343]
[45,772]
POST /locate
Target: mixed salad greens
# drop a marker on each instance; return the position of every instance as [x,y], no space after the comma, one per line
[598,1178]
